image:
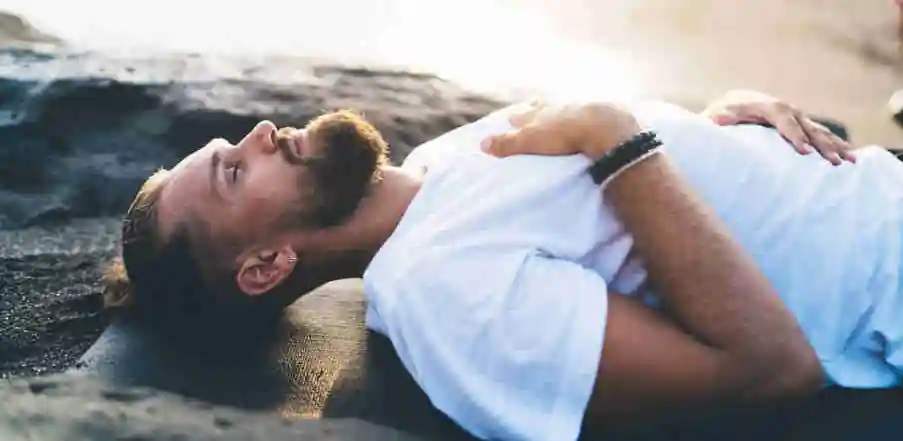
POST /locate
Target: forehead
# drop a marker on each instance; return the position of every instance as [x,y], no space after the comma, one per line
[188,190]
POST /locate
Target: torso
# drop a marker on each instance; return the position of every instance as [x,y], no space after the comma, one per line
[827,237]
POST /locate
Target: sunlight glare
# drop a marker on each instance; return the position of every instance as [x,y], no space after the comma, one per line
[480,43]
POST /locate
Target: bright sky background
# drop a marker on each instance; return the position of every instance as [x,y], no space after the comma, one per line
[484,43]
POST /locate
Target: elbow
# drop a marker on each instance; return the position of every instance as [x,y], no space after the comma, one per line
[803,377]
[790,378]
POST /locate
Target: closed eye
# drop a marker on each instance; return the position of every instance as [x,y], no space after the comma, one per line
[232,171]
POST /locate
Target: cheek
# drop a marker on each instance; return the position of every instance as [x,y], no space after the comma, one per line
[280,178]
[274,189]
[263,201]
[269,200]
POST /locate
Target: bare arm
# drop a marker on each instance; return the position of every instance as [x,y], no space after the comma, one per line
[731,340]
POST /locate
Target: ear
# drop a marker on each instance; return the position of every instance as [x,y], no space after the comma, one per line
[265,269]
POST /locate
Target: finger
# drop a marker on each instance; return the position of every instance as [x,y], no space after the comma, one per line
[839,143]
[752,113]
[726,119]
[506,144]
[790,127]
[832,157]
[843,147]
[823,141]
[848,156]
[531,140]
[509,143]
[826,148]
[490,144]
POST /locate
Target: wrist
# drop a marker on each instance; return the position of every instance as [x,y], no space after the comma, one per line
[625,155]
[597,146]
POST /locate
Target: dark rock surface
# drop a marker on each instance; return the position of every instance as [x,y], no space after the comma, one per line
[80,131]
[67,408]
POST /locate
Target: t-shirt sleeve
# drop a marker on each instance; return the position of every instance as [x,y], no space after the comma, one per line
[508,347]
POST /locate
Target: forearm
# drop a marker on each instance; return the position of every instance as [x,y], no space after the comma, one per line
[711,286]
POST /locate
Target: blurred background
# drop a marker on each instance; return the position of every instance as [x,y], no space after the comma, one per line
[839,58]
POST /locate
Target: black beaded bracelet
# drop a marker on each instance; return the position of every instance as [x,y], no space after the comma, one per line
[624,155]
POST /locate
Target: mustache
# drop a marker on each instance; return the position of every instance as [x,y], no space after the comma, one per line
[282,139]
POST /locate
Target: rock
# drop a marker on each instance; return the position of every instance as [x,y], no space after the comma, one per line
[15,31]
[71,408]
[80,131]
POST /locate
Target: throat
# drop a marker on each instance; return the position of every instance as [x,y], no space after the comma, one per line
[346,250]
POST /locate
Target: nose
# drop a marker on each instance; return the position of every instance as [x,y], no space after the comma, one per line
[259,138]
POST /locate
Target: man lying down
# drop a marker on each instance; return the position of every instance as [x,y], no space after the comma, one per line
[548,268]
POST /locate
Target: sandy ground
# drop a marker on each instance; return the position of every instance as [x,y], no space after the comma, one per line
[839,58]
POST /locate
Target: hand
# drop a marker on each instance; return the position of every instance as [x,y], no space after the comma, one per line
[543,129]
[743,106]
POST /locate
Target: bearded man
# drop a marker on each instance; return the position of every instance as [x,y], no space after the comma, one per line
[548,268]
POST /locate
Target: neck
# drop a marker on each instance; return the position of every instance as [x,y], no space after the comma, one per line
[345,251]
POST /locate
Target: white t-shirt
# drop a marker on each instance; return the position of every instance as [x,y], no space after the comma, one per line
[493,287]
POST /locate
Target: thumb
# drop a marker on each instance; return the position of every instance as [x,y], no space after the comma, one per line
[502,145]
[726,119]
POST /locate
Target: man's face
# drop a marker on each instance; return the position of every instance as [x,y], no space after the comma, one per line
[251,195]
[239,192]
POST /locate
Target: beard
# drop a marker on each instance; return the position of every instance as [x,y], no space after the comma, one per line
[349,155]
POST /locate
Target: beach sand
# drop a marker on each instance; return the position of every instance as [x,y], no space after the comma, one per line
[839,58]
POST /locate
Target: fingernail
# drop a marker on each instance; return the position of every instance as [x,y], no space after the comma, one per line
[486,145]
[808,148]
[724,120]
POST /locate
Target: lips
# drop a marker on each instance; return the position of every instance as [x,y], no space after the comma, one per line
[292,143]
[298,143]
